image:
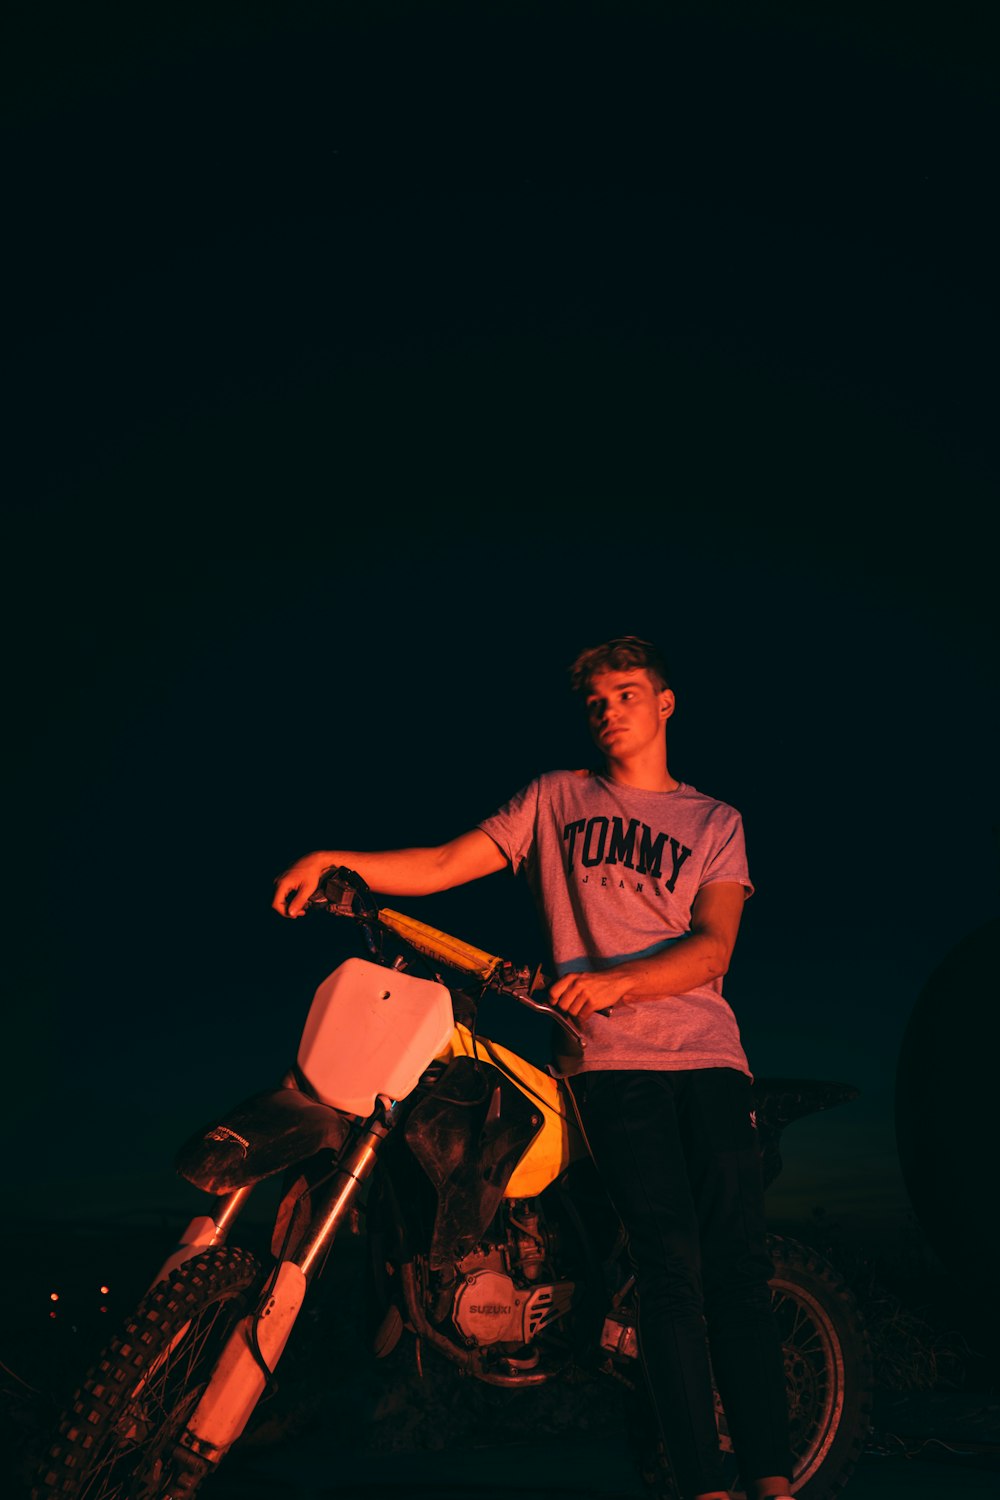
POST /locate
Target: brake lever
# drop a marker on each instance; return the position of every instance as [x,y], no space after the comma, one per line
[522,994]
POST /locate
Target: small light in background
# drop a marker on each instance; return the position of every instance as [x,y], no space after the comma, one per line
[105,1290]
[53,1296]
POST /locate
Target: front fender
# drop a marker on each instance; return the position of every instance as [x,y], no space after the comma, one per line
[263,1135]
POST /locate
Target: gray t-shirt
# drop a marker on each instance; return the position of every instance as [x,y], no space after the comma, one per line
[615,871]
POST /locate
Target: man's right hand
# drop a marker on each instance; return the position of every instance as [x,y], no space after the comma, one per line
[294,887]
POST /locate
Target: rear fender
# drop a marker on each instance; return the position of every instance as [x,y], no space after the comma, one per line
[779,1101]
[259,1137]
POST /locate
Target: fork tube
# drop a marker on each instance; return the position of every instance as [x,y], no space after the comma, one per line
[225,1212]
[352,1171]
[205,1231]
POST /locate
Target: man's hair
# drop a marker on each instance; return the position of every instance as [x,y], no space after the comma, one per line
[619,654]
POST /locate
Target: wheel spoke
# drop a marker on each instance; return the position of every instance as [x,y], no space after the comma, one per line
[170,1379]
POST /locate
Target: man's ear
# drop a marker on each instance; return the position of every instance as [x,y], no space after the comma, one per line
[667,703]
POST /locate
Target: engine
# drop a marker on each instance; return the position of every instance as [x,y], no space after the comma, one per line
[490,1309]
[503,1295]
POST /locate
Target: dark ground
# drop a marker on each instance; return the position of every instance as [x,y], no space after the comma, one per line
[342,1424]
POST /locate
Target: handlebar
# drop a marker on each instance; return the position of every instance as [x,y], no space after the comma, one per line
[343,893]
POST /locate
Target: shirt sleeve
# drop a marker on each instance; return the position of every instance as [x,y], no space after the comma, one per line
[729,860]
[512,827]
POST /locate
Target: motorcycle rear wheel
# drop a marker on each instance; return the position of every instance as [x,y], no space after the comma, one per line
[828,1371]
[117,1440]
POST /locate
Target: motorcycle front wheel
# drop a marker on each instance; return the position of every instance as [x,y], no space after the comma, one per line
[828,1371]
[117,1440]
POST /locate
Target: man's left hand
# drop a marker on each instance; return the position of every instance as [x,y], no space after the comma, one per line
[580,995]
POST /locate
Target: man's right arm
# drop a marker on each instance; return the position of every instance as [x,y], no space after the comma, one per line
[393,872]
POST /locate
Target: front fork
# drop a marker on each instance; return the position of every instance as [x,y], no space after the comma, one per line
[204,1232]
[256,1343]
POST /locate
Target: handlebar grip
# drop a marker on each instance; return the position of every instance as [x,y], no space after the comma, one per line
[441,945]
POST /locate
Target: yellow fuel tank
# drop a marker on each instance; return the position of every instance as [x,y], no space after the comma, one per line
[558,1142]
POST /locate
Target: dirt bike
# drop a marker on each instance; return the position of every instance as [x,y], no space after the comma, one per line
[490,1242]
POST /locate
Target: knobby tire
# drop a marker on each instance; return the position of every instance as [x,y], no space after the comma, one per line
[828,1370]
[117,1440]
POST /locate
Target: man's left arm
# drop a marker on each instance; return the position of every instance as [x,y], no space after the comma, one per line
[701,955]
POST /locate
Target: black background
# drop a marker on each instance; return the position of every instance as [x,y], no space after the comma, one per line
[368,361]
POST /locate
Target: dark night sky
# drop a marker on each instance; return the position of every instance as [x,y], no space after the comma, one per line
[362,372]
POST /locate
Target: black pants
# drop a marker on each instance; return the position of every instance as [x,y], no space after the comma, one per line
[678,1156]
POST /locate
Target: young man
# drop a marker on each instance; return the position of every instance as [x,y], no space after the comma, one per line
[641,881]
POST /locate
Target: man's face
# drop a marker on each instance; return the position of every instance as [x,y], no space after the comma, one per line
[626,712]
